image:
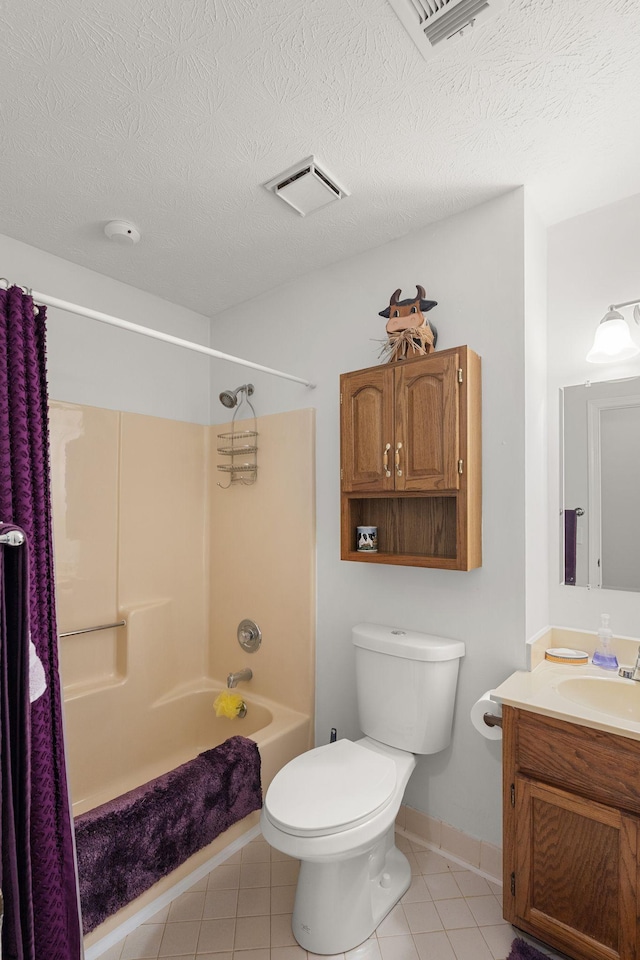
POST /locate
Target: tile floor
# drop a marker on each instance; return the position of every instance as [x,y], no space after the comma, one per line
[242,911]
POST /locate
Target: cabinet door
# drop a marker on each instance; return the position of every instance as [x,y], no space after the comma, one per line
[427,439]
[575,880]
[367,438]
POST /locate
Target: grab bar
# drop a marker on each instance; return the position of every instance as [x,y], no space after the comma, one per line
[102,626]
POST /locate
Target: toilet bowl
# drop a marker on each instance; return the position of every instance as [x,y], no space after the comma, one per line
[334,809]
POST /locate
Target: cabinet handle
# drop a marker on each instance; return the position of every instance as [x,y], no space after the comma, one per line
[398,449]
[385,460]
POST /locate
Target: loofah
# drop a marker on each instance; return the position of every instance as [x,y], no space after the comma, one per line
[228,704]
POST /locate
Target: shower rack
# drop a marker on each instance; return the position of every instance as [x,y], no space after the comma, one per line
[239,445]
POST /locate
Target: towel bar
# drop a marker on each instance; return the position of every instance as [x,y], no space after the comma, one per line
[12,539]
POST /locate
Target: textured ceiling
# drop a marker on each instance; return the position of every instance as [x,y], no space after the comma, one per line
[172,113]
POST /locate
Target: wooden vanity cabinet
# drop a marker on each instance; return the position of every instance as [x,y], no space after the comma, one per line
[411,460]
[571,815]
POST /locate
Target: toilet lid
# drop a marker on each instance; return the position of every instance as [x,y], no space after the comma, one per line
[329,789]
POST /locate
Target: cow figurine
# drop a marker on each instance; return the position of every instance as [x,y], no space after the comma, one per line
[409,332]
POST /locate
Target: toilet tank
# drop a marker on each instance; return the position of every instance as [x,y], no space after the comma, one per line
[406,686]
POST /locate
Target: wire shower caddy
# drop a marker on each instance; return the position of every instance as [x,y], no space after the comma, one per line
[241,446]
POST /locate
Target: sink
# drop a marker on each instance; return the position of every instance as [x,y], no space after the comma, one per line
[611,695]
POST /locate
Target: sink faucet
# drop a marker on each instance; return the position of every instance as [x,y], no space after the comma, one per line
[246,674]
[631,673]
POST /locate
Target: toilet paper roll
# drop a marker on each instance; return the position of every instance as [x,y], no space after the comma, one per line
[486,705]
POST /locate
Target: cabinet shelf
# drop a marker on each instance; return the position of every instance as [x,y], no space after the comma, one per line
[417,527]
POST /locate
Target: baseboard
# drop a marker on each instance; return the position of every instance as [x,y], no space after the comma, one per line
[477,855]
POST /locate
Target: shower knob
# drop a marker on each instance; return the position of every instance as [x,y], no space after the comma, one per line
[249,635]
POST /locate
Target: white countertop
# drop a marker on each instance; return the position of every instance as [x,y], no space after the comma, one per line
[537,690]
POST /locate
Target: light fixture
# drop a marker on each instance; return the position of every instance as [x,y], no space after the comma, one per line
[612,340]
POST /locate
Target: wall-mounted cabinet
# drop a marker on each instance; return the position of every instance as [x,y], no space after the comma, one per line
[411,460]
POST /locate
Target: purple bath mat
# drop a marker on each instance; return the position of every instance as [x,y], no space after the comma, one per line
[128,844]
[521,950]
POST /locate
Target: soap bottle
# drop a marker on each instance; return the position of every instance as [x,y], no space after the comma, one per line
[604,657]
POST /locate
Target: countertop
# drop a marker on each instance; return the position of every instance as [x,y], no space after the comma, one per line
[538,691]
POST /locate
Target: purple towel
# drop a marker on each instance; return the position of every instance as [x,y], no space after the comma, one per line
[570,546]
[128,844]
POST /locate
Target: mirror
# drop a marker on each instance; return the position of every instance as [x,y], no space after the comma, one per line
[601,484]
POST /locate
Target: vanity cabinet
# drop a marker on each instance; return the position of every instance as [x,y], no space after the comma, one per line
[410,441]
[571,813]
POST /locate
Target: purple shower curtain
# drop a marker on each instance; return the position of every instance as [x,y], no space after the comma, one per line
[45,874]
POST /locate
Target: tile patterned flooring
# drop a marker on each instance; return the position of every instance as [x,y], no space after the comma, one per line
[242,911]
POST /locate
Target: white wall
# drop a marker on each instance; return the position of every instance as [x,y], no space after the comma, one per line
[593,261]
[91,363]
[328,323]
[536,413]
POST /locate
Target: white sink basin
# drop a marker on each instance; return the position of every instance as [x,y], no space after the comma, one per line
[611,695]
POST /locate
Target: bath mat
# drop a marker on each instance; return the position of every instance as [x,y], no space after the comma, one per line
[128,844]
[521,950]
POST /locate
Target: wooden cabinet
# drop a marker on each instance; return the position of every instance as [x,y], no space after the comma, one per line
[571,836]
[411,460]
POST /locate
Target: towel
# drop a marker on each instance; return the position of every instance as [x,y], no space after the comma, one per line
[37,679]
[127,844]
[570,546]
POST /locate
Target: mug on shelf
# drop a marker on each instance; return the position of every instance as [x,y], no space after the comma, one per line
[367,539]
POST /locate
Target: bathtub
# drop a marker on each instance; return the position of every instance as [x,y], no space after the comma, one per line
[106,758]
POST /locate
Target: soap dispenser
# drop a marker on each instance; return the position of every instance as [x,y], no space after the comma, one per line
[604,657]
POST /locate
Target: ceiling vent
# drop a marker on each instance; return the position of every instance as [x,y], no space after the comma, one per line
[431,24]
[306,187]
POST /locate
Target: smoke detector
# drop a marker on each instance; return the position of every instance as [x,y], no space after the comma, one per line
[306,187]
[433,24]
[122,232]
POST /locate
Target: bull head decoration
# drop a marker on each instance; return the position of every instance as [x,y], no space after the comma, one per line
[410,333]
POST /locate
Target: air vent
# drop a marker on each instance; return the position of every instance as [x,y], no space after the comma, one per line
[306,187]
[432,23]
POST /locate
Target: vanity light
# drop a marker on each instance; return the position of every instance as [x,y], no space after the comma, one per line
[612,340]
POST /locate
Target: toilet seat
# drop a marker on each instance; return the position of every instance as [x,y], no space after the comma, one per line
[330,789]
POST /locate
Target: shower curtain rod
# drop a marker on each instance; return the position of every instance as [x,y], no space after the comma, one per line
[159,335]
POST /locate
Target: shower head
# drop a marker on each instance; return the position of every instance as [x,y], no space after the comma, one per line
[229,398]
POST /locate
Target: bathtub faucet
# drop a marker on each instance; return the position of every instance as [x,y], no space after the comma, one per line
[234,678]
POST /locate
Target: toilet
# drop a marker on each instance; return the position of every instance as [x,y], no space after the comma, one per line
[334,807]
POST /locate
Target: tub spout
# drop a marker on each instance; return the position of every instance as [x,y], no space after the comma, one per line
[234,678]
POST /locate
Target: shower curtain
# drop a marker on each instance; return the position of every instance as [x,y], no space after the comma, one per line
[39,882]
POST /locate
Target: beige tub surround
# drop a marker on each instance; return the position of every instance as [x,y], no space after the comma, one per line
[143,534]
[129,516]
[263,563]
